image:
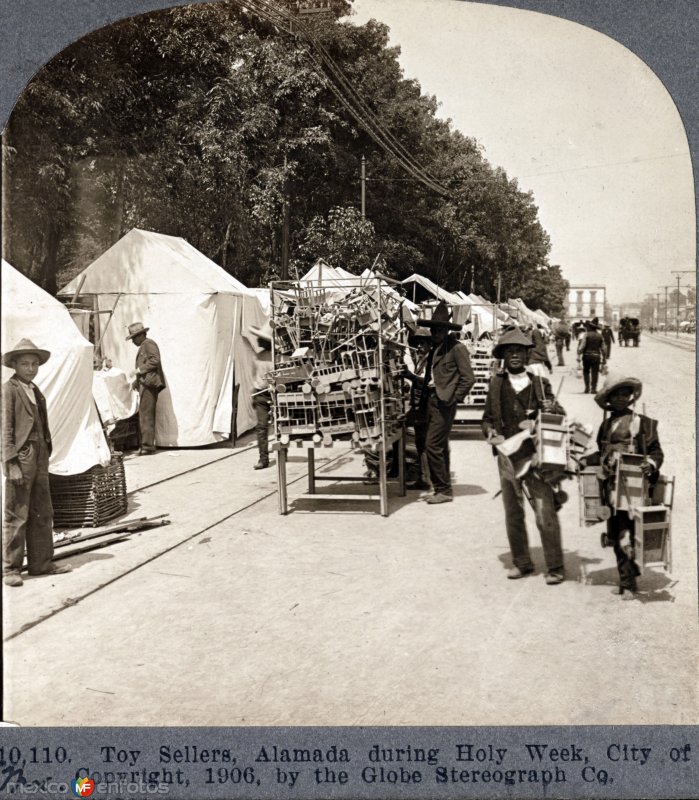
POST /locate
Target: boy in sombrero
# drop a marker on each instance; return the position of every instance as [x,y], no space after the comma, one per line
[623,430]
[26,447]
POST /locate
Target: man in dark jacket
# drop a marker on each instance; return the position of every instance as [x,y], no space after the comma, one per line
[514,397]
[591,353]
[608,337]
[447,380]
[150,381]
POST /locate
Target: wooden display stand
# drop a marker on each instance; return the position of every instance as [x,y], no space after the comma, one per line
[337,377]
[310,447]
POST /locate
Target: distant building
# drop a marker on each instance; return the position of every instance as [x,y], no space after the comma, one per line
[587,301]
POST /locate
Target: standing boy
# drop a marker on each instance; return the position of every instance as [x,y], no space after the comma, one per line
[26,447]
[624,431]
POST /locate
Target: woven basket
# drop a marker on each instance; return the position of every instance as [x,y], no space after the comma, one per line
[90,499]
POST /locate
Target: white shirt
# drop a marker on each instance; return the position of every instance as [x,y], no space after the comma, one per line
[29,391]
[519,380]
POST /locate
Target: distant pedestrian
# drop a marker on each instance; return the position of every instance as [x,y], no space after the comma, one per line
[561,333]
[26,447]
[149,380]
[608,337]
[539,362]
[448,379]
[261,395]
[591,354]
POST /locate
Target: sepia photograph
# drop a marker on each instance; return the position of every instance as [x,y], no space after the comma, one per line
[348,373]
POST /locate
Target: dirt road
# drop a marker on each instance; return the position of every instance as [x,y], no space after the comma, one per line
[235,615]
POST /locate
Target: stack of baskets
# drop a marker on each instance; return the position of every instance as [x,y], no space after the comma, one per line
[91,498]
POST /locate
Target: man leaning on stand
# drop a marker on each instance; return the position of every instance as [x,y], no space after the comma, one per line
[447,380]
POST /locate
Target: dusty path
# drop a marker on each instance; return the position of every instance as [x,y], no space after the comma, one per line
[335,616]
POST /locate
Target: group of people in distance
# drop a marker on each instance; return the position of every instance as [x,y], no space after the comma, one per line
[441,376]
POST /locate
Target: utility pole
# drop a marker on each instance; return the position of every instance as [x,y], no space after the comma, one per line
[657,309]
[679,272]
[666,288]
[363,187]
[285,230]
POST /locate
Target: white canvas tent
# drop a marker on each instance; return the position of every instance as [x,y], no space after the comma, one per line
[66,378]
[419,287]
[199,316]
[525,314]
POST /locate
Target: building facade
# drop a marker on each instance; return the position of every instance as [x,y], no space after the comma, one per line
[585,302]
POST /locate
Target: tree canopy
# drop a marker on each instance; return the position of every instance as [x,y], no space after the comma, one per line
[199,120]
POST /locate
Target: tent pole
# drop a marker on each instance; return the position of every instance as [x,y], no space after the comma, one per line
[98,346]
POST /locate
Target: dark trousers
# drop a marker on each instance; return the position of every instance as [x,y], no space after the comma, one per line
[567,340]
[440,418]
[559,352]
[541,495]
[620,532]
[590,365]
[28,517]
[146,416]
[262,403]
[418,421]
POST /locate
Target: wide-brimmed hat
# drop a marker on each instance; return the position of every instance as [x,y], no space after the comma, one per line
[135,328]
[22,348]
[591,325]
[262,332]
[441,318]
[615,381]
[511,336]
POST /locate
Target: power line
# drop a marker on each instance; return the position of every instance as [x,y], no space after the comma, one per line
[610,164]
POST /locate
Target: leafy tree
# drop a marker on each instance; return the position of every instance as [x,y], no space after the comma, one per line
[199,121]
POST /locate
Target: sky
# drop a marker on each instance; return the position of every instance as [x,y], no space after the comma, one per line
[576,118]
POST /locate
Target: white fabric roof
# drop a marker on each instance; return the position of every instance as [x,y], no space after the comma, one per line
[66,378]
[198,316]
[435,290]
[525,313]
[145,262]
[322,274]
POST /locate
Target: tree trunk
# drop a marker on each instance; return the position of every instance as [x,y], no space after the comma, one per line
[226,240]
[47,279]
